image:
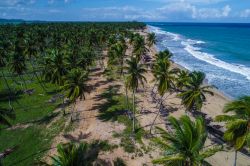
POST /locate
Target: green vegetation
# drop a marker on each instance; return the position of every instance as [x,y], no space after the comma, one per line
[193,95]
[238,124]
[45,67]
[185,144]
[164,76]
[41,65]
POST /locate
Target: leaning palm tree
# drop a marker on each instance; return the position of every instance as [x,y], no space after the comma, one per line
[182,79]
[165,78]
[193,95]
[184,143]
[237,124]
[134,78]
[74,155]
[75,85]
[151,39]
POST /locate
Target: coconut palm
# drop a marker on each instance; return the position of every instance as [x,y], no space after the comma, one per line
[32,54]
[182,79]
[151,39]
[193,95]
[55,67]
[166,54]
[75,85]
[184,143]
[18,62]
[237,124]
[74,155]
[165,78]
[139,47]
[161,56]
[134,78]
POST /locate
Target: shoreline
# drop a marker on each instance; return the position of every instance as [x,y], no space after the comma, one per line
[217,92]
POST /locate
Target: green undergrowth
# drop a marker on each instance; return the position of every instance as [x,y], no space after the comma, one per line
[33,113]
[31,143]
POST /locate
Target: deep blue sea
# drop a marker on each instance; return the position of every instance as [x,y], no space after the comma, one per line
[222,51]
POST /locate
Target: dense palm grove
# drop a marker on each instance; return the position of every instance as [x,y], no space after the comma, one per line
[58,58]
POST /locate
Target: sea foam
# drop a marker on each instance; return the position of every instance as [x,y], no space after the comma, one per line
[192,47]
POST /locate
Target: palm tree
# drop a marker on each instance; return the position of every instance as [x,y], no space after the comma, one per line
[162,56]
[32,54]
[18,64]
[139,47]
[182,79]
[55,67]
[117,55]
[134,78]
[193,95]
[165,78]
[73,155]
[237,124]
[75,85]
[184,143]
[151,38]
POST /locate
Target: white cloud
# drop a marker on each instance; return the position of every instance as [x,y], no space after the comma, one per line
[245,13]
[212,12]
[188,10]
[190,1]
[125,12]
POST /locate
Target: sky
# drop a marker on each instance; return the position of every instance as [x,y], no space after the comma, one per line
[128,10]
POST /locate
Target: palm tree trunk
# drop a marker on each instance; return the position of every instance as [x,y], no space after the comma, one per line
[235,158]
[126,91]
[71,117]
[10,92]
[63,105]
[21,77]
[39,81]
[151,127]
[133,110]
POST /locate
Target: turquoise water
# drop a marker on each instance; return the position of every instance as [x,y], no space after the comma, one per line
[222,51]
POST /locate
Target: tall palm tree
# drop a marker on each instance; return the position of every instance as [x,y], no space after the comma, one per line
[182,79]
[75,85]
[237,124]
[117,55]
[32,54]
[18,63]
[151,39]
[165,78]
[193,95]
[134,78]
[55,67]
[74,155]
[184,143]
[161,56]
[139,47]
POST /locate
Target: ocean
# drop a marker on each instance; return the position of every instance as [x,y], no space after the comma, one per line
[222,51]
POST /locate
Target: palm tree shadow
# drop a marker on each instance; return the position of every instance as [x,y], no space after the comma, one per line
[7,95]
[110,109]
[77,138]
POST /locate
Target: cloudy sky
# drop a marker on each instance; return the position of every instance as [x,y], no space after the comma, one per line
[127,10]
